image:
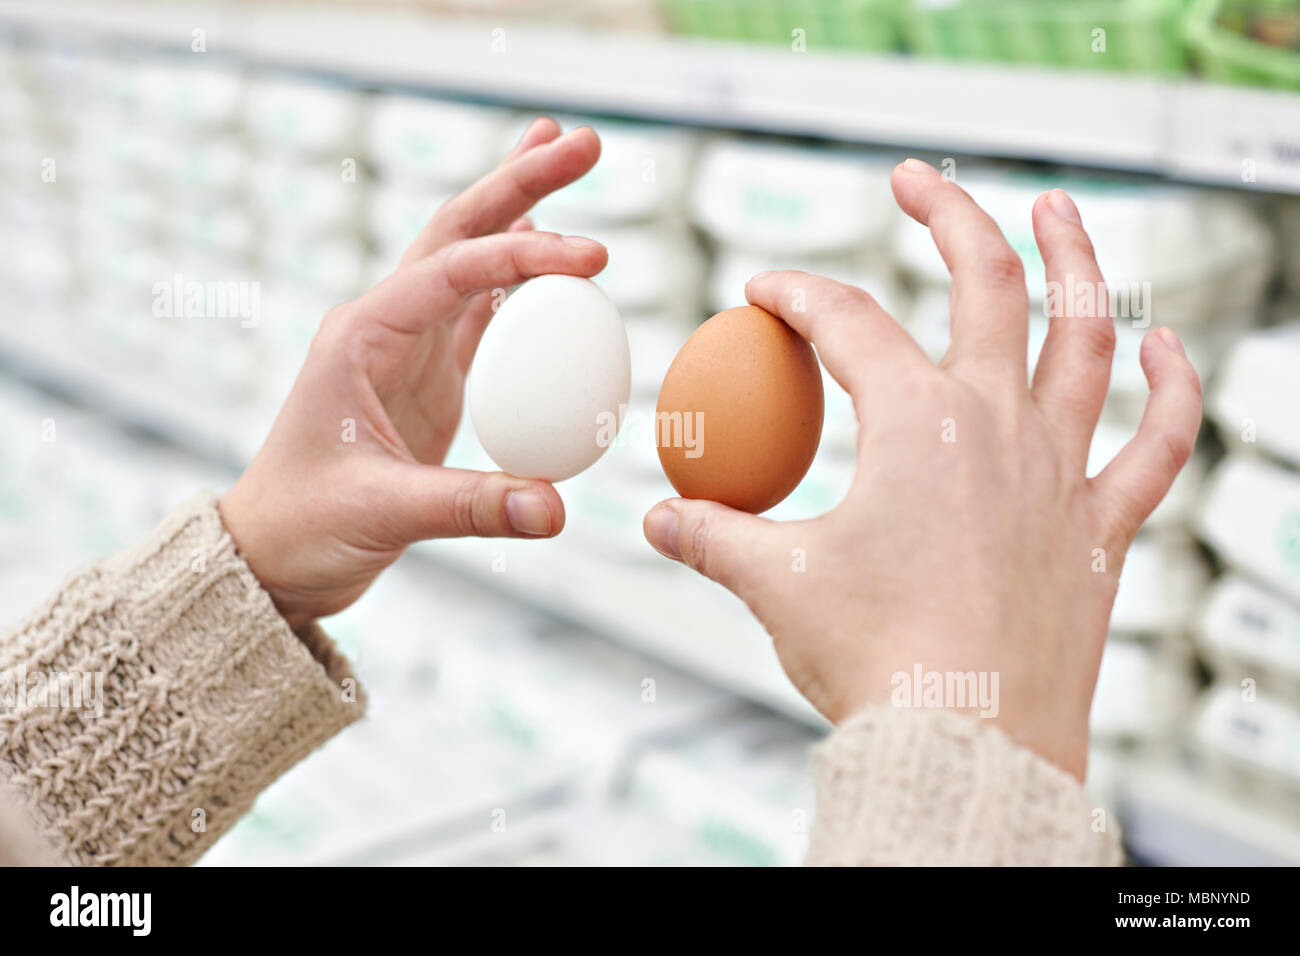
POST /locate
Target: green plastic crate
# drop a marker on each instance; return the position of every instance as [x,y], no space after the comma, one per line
[870,25]
[1225,54]
[1140,35]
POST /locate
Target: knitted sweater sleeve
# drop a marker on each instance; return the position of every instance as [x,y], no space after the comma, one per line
[147,704]
[930,787]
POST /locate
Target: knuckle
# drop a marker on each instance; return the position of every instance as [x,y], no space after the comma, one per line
[700,547]
[848,298]
[1176,447]
[1004,267]
[467,513]
[1071,249]
[1097,336]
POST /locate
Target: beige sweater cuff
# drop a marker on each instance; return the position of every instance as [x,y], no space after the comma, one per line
[206,695]
[931,787]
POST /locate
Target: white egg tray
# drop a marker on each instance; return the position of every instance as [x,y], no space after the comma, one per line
[434,143]
[1144,691]
[1251,747]
[789,201]
[1249,513]
[1253,398]
[1246,632]
[1162,578]
[642,175]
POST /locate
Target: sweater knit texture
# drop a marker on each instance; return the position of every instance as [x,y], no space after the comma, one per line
[206,697]
[930,787]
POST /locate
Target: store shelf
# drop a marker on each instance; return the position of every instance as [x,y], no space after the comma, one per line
[1180,129]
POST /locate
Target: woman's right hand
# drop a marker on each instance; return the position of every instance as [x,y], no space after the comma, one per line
[971,539]
[351,472]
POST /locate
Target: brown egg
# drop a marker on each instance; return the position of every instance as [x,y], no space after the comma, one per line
[740,411]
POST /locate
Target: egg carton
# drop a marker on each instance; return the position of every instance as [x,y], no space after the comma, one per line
[177,92]
[38,273]
[1162,578]
[481,713]
[1249,513]
[298,198]
[1144,691]
[219,229]
[643,175]
[1246,633]
[289,116]
[741,790]
[75,489]
[1252,399]
[652,266]
[200,173]
[19,109]
[583,700]
[334,263]
[366,798]
[792,201]
[654,339]
[431,143]
[395,211]
[868,270]
[1250,747]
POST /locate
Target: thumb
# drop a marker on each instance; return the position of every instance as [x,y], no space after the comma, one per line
[438,502]
[719,542]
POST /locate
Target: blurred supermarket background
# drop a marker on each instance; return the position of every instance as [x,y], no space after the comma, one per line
[579,701]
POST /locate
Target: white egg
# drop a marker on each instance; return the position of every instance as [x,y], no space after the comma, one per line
[551,379]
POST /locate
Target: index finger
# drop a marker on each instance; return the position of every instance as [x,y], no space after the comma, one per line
[433,289]
[510,190]
[853,335]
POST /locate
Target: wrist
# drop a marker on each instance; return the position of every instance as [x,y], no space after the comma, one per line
[239,515]
[1050,726]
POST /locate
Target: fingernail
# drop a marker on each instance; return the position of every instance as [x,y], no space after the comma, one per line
[918,166]
[1171,341]
[582,242]
[1064,206]
[661,532]
[527,513]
